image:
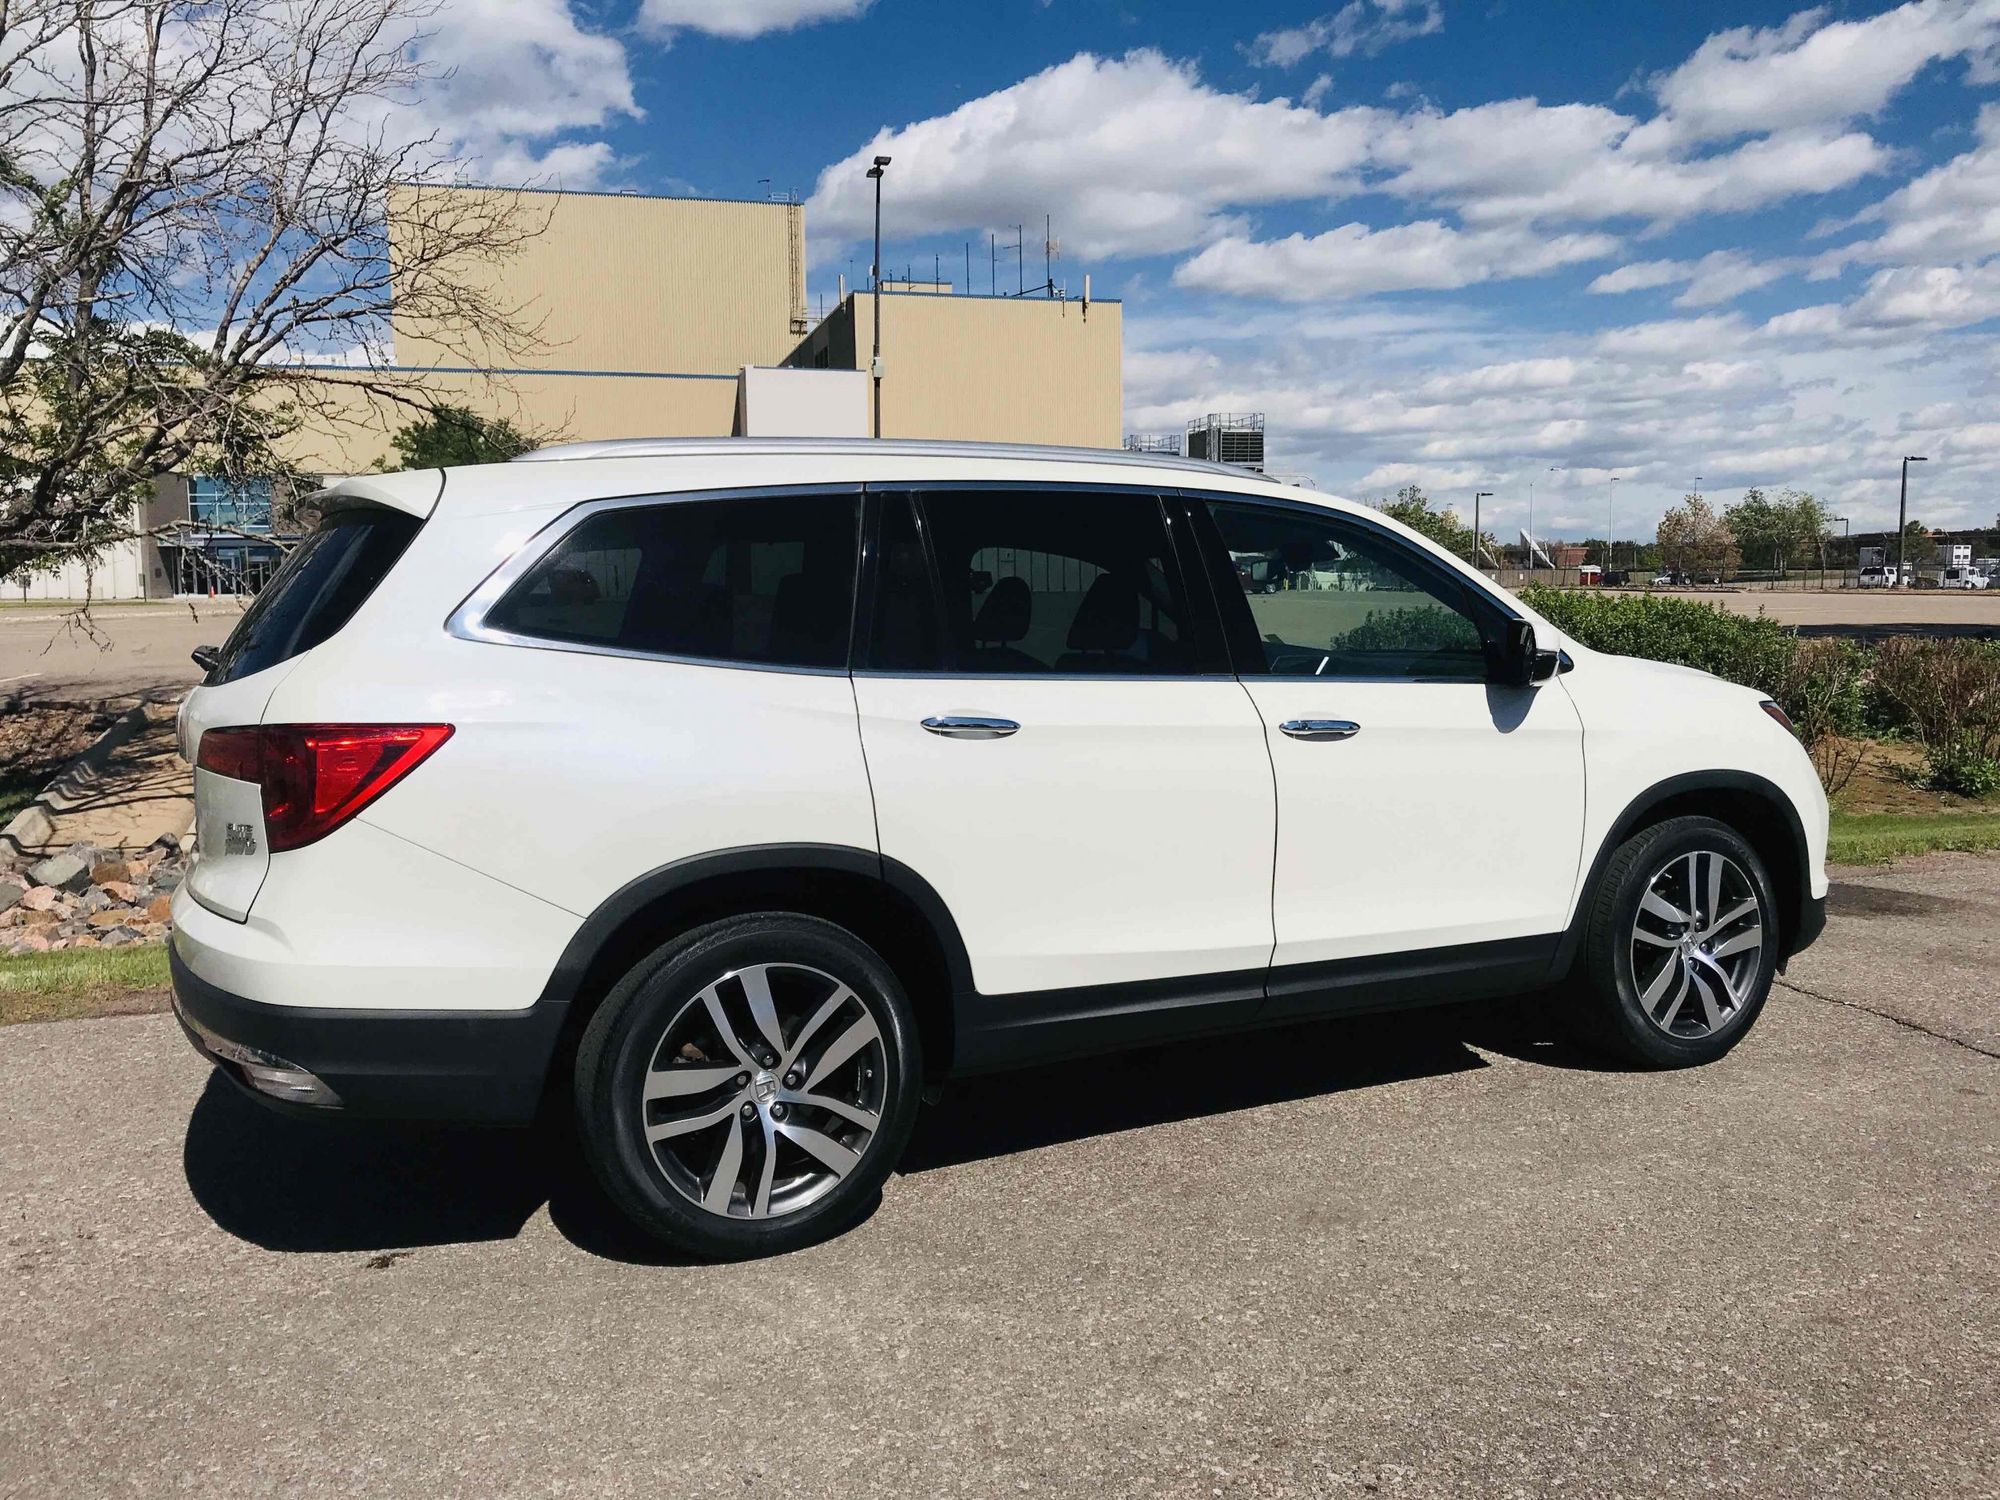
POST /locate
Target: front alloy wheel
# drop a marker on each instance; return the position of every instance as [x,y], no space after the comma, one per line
[1697,944]
[1680,946]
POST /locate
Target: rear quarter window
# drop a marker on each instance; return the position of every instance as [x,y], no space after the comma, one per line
[327,577]
[765,580]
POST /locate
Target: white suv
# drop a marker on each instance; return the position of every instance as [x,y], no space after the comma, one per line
[742,790]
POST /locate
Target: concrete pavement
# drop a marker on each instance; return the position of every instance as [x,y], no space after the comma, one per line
[1426,1255]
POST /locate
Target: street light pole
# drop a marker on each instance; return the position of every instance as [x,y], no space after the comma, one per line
[1611,525]
[1477,496]
[875,363]
[1903,514]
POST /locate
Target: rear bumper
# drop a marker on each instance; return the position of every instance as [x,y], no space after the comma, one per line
[462,1067]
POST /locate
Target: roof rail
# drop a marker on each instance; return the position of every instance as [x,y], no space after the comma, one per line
[685,447]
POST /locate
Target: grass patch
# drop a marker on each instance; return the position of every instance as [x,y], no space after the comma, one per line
[1874,838]
[80,982]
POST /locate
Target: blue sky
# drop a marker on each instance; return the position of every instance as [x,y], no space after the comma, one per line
[1473,245]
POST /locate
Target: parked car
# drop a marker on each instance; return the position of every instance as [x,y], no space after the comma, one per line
[734,793]
[1962,578]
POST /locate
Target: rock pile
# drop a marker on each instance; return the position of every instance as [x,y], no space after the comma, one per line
[89,898]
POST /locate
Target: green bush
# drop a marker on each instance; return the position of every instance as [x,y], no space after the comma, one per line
[1824,689]
[1949,693]
[1960,769]
[1754,651]
[1427,627]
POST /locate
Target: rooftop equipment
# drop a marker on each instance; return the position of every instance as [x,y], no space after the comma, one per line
[1228,437]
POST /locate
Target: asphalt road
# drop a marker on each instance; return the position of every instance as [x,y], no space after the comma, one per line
[1434,1255]
[48,653]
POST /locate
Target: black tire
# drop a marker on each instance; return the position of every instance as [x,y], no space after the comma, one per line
[624,1053]
[1606,997]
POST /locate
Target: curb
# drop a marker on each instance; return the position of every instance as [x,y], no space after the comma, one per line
[32,826]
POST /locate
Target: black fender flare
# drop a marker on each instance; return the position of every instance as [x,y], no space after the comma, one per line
[1801,922]
[603,924]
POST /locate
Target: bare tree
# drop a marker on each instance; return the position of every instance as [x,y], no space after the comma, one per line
[197,252]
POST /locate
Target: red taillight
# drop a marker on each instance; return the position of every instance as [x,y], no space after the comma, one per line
[316,776]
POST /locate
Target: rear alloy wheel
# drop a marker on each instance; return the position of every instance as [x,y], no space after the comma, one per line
[1680,945]
[748,1088]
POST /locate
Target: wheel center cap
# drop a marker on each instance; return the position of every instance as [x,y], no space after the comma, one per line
[764,1087]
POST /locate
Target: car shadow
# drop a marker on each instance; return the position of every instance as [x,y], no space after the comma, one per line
[295,1185]
[980,1117]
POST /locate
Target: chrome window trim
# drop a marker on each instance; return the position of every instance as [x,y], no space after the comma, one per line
[468,621]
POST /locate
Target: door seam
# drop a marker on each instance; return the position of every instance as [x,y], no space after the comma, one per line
[1270,760]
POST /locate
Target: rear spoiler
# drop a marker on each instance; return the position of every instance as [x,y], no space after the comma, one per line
[415,492]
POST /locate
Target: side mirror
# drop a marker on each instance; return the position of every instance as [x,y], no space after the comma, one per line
[208,658]
[1518,662]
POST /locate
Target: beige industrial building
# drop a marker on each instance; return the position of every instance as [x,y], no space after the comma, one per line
[663,317]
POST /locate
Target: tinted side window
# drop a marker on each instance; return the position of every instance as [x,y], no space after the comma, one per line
[903,635]
[1076,582]
[1328,598]
[324,580]
[764,579]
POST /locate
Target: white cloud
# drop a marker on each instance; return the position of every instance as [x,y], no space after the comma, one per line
[738,19]
[1900,301]
[1640,275]
[1950,213]
[1721,276]
[1676,339]
[1137,156]
[1132,155]
[1363,26]
[1654,406]
[521,75]
[1822,397]
[1354,261]
[1521,160]
[1812,72]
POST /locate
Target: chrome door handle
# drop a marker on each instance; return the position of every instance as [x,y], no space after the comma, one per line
[970,727]
[1320,729]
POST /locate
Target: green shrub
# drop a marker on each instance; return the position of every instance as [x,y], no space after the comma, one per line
[1949,693]
[1824,689]
[1754,651]
[1423,628]
[1959,769]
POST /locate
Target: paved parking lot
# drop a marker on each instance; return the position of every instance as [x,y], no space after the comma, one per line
[49,653]
[1866,614]
[1431,1255]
